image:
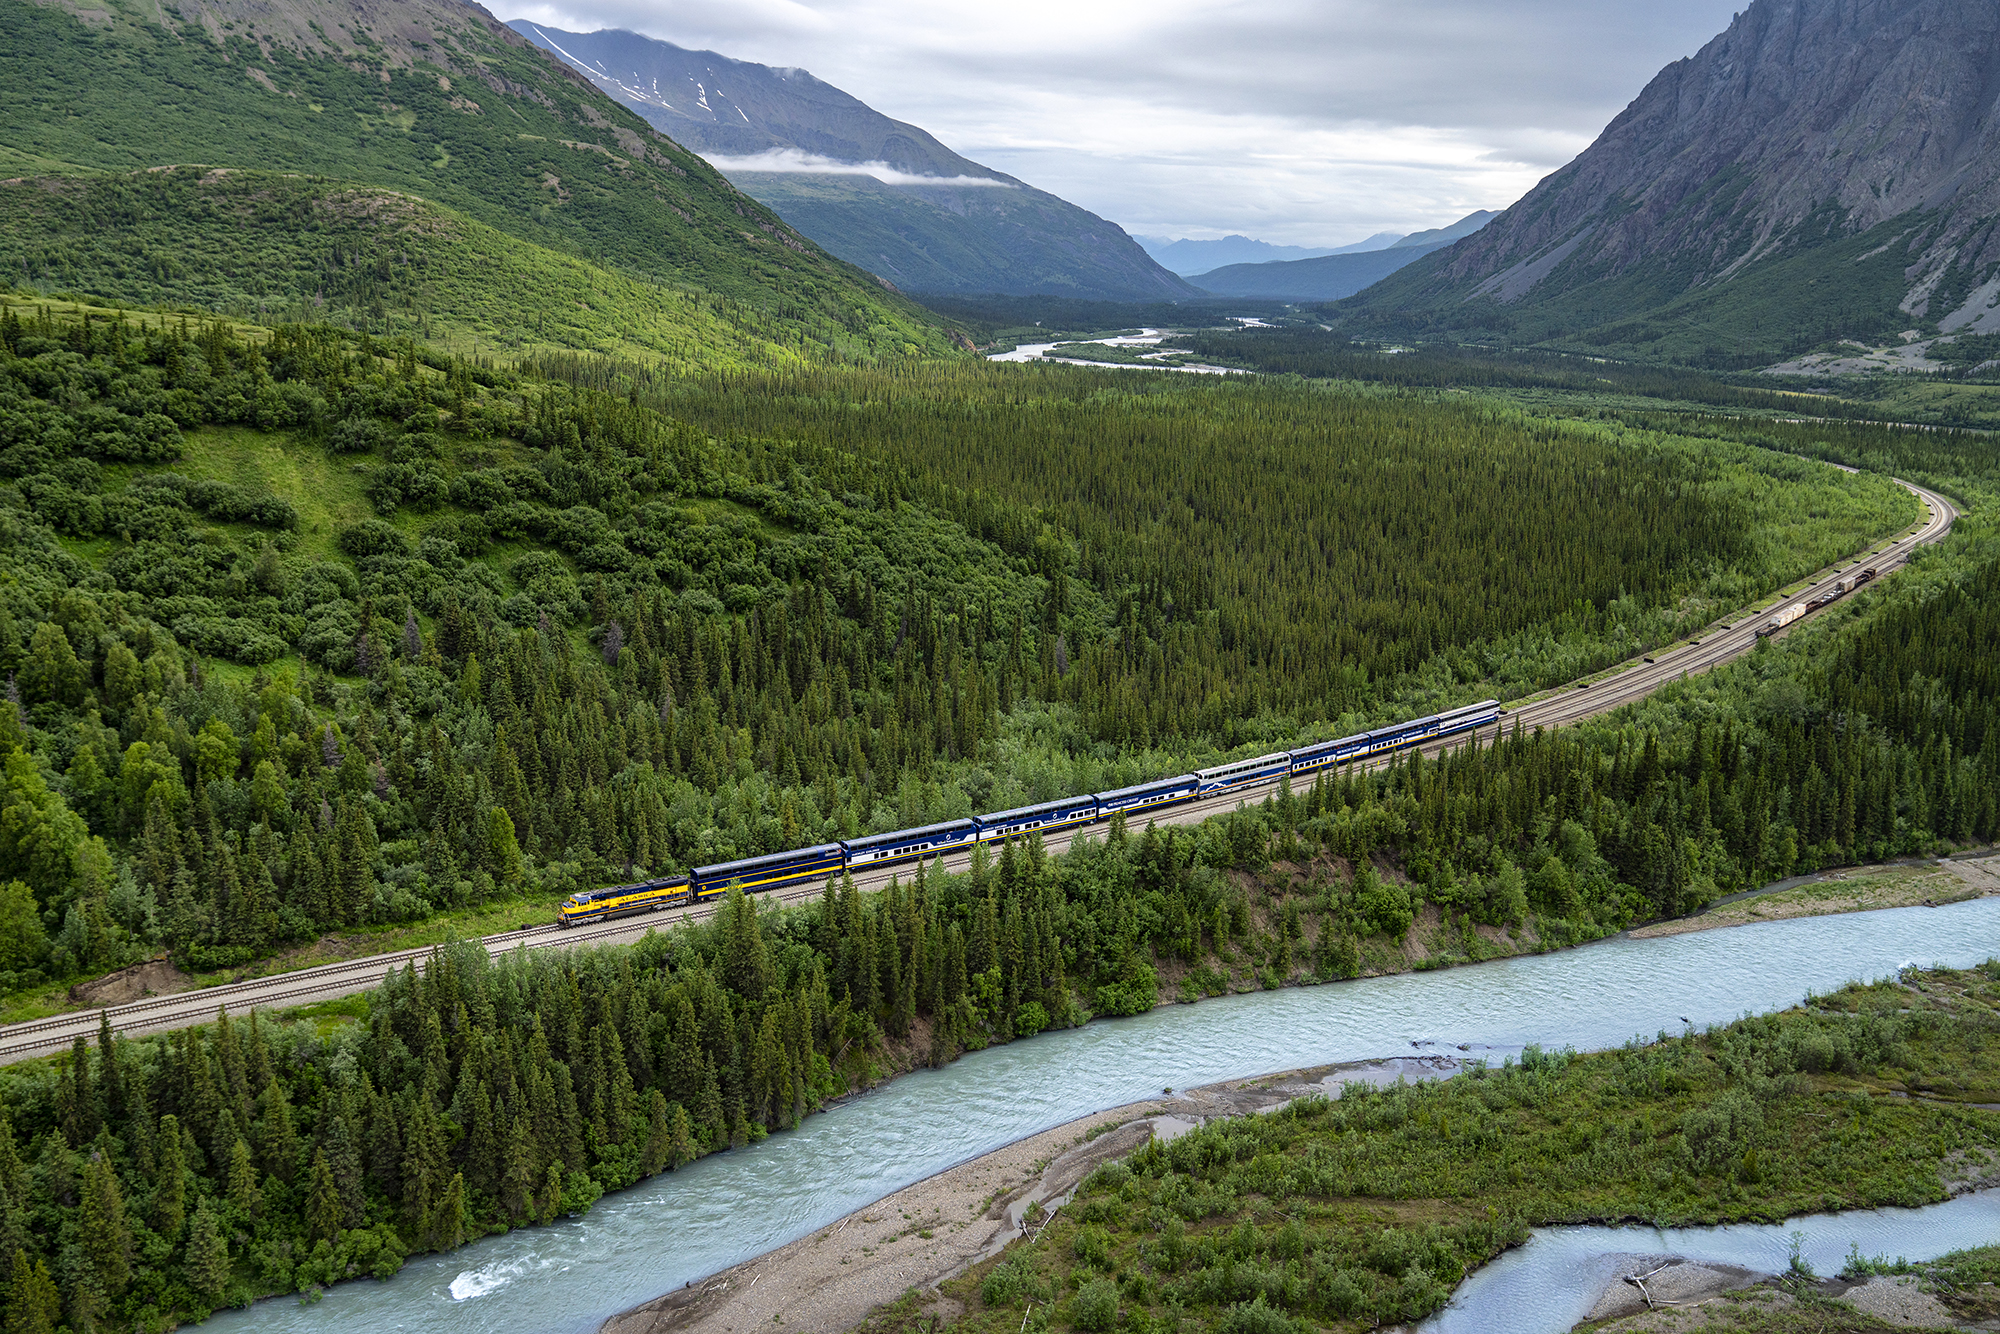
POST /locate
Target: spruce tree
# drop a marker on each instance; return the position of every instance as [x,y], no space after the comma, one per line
[746,963]
[447,1225]
[278,1139]
[169,1190]
[34,1306]
[520,1173]
[658,1151]
[207,1258]
[106,1235]
[243,1191]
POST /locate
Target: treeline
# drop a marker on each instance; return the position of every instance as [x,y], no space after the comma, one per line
[775,688]
[1877,741]
[1961,461]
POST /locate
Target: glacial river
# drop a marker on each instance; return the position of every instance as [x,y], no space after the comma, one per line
[729,1207]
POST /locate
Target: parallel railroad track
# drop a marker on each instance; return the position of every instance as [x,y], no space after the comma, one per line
[1556,708]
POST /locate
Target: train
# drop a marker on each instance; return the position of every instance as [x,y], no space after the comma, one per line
[780,870]
[1831,593]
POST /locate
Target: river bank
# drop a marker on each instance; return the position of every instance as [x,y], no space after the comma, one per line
[933,1231]
[1352,1177]
[1846,889]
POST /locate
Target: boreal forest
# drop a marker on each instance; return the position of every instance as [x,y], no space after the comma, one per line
[310,634]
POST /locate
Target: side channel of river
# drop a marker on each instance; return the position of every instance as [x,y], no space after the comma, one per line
[1550,1284]
[732,1206]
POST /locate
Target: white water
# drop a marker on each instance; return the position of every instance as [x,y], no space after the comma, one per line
[729,1207]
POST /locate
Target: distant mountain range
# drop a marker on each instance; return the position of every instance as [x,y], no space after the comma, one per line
[1823,169]
[1187,257]
[1339,273]
[877,192]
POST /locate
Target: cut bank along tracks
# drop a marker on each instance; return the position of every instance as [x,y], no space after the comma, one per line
[1569,704]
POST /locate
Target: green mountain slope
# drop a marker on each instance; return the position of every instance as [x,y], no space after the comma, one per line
[967,239]
[933,221]
[433,99]
[289,247]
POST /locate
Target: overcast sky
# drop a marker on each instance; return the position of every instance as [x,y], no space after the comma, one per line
[1307,122]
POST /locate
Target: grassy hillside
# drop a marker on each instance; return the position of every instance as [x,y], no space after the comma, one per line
[273,247]
[433,100]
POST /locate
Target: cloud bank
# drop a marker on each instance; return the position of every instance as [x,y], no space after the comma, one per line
[790,161]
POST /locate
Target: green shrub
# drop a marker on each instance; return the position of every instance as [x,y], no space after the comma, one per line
[1257,1317]
[1030,1019]
[1095,1306]
[1092,1245]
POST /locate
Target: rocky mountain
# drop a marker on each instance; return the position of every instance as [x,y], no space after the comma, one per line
[1330,277]
[403,128]
[1438,236]
[1822,169]
[878,192]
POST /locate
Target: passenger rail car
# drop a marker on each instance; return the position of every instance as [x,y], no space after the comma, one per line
[781,870]
[1025,820]
[1244,773]
[931,840]
[1148,796]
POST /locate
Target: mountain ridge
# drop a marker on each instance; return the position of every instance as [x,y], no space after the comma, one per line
[1804,126]
[930,220]
[431,98]
[1188,257]
[1341,273]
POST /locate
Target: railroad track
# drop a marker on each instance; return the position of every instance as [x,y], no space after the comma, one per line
[1602,693]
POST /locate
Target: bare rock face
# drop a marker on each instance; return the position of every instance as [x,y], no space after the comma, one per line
[1835,114]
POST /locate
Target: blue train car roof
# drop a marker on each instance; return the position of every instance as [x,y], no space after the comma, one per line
[772,859]
[1067,803]
[1319,747]
[897,836]
[1183,780]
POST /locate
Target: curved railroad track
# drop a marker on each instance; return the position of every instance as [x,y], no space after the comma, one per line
[1608,690]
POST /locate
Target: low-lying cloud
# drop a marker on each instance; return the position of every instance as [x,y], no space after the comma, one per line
[790,161]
